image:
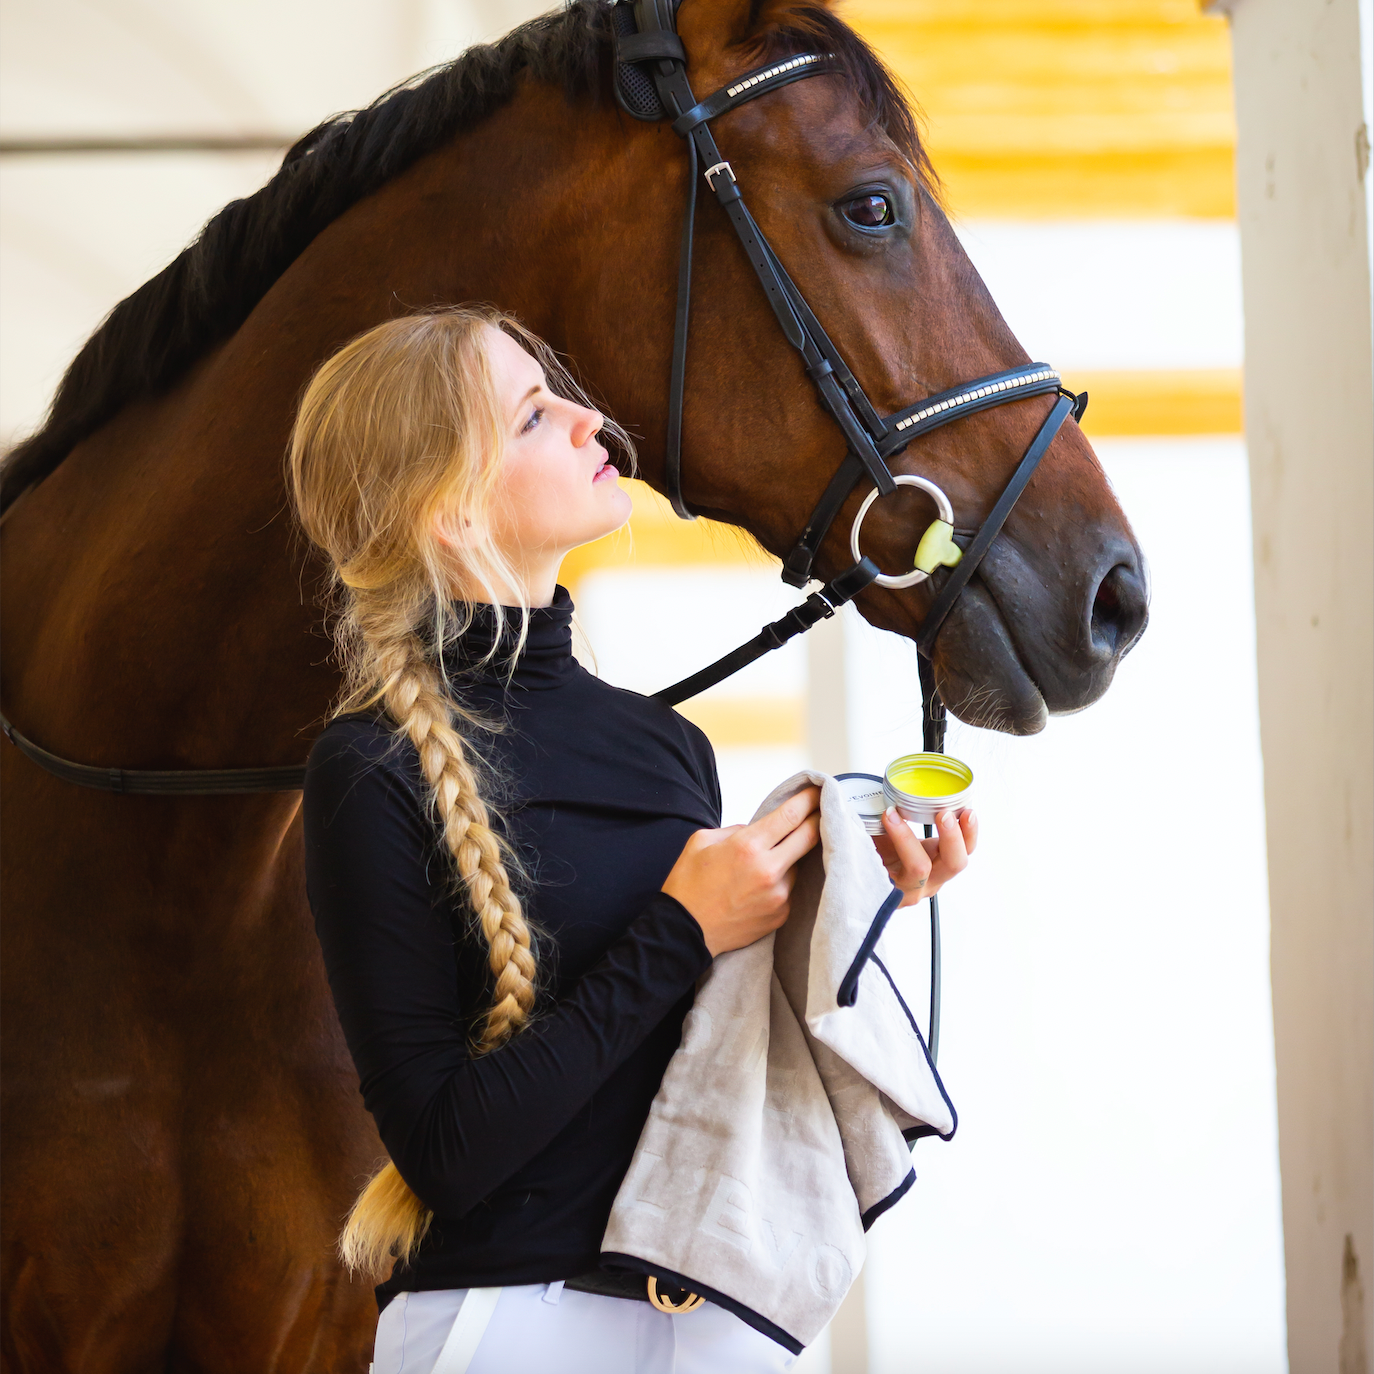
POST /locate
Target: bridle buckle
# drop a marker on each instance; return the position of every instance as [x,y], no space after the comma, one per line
[720,167]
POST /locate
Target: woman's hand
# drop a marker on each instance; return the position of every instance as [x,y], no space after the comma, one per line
[737,882]
[922,867]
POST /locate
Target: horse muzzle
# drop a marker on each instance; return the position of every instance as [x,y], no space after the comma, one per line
[1025,642]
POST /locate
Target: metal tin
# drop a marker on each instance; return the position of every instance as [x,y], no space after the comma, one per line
[925,803]
[864,793]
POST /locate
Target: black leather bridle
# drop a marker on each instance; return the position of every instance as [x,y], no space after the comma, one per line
[651,84]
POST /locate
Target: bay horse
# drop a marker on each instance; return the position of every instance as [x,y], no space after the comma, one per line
[183,1127]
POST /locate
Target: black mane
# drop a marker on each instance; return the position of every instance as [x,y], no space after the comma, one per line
[151,338]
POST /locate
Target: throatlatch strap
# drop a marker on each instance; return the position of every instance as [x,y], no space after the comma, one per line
[837,388]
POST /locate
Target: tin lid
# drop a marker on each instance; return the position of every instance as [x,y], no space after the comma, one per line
[864,793]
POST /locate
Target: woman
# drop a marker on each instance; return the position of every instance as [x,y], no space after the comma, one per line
[511,982]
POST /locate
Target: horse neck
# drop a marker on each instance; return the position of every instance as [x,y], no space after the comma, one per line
[158,602]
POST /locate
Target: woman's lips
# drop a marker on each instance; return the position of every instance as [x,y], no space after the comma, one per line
[604,471]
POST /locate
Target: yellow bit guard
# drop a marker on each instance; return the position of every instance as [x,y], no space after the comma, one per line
[937,548]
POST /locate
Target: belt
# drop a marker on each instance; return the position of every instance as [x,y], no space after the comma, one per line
[638,1288]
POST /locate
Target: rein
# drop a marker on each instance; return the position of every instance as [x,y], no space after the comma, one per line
[651,84]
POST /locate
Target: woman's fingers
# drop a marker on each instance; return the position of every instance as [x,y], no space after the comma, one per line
[907,861]
[783,820]
[921,867]
[948,851]
[952,851]
[792,847]
[968,823]
[906,847]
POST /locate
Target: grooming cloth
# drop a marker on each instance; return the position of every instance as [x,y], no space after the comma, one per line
[781,1130]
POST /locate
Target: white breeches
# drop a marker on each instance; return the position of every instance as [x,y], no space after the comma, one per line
[544,1328]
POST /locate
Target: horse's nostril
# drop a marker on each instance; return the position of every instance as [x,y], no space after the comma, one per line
[1119,610]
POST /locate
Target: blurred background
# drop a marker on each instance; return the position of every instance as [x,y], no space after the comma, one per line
[1111,1203]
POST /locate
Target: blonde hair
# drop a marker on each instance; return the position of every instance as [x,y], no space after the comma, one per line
[399,431]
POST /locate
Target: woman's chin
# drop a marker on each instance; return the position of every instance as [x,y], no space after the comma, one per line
[612,515]
[619,505]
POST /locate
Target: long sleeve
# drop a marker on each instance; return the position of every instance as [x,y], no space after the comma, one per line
[407,990]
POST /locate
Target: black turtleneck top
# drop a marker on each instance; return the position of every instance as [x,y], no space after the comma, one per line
[519,1152]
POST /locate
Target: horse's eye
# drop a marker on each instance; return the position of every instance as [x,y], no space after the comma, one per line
[869,212]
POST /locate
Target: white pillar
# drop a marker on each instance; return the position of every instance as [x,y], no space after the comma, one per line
[1301,162]
[827,697]
[827,747]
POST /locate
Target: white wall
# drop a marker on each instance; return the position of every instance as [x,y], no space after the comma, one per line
[80,232]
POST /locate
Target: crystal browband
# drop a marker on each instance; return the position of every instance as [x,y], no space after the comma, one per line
[977,393]
[758,78]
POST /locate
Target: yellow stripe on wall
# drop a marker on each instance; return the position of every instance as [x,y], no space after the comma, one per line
[655,537]
[734,722]
[1067,108]
[1160,403]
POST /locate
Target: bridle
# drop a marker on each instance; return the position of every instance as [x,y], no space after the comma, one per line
[651,84]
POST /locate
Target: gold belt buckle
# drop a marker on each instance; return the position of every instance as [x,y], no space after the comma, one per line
[694,1300]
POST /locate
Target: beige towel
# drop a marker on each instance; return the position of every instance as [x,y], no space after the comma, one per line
[781,1129]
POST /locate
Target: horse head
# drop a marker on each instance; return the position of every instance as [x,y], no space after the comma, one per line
[835,174]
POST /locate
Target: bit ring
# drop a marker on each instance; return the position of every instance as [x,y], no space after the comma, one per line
[942,504]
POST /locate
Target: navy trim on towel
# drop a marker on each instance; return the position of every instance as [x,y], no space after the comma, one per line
[610,1259]
[849,984]
[915,1133]
[891,1200]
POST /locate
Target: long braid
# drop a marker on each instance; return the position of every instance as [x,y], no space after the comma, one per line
[422,711]
[388,1218]
[400,431]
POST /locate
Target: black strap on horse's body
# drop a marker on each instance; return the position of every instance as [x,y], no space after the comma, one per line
[159,782]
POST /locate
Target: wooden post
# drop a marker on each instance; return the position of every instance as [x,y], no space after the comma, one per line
[1302,157]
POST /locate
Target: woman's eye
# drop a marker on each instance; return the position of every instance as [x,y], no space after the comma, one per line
[869,212]
[532,421]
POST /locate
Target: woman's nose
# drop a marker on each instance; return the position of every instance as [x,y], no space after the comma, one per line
[587,424]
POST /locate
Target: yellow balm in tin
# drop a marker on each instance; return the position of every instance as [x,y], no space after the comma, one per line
[923,786]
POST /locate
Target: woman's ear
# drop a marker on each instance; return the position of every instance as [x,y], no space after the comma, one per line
[458,533]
